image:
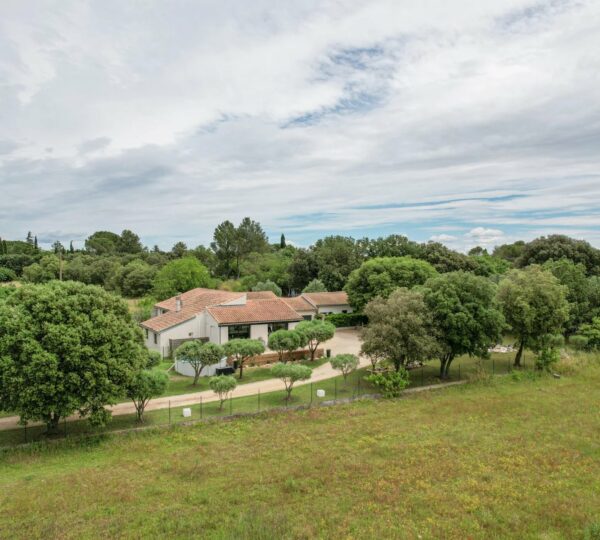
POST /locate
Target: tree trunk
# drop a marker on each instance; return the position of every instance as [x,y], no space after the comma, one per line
[196,376]
[52,424]
[312,352]
[445,366]
[519,354]
[241,368]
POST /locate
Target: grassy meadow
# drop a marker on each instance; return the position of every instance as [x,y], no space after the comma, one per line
[504,457]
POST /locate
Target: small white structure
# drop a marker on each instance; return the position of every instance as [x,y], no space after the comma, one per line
[320,392]
[187,412]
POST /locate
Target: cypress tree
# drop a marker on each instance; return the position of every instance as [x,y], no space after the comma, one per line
[282,243]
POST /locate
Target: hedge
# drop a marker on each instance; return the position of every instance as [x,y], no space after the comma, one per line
[341,320]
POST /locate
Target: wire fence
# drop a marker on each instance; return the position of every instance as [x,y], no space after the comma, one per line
[207,407]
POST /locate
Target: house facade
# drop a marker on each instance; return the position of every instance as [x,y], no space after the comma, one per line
[219,316]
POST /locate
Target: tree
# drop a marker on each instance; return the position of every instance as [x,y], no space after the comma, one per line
[45,270]
[336,257]
[135,279]
[268,286]
[35,243]
[316,285]
[179,276]
[315,332]
[225,245]
[465,313]
[302,269]
[66,347]
[102,243]
[400,329]
[250,238]
[556,247]
[179,250]
[282,243]
[534,304]
[29,238]
[243,349]
[284,340]
[129,242]
[579,293]
[57,248]
[394,245]
[445,259]
[71,248]
[6,274]
[199,355]
[380,276]
[509,252]
[290,374]
[223,386]
[143,386]
[346,363]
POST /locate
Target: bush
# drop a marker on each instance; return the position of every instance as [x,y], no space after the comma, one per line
[579,343]
[223,386]
[391,383]
[268,285]
[342,320]
[6,274]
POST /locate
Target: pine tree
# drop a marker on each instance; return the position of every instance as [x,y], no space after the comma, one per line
[71,248]
[35,243]
[282,243]
[29,238]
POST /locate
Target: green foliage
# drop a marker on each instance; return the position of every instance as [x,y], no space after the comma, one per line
[65,347]
[578,342]
[102,243]
[465,313]
[380,276]
[534,304]
[143,386]
[444,259]
[345,320]
[199,355]
[179,276]
[591,332]
[548,351]
[268,286]
[315,285]
[289,374]
[285,340]
[129,242]
[134,279]
[391,383]
[6,274]
[400,329]
[336,257]
[243,349]
[592,531]
[154,359]
[557,247]
[315,332]
[302,268]
[489,266]
[346,363]
[509,252]
[43,271]
[223,386]
[394,245]
[179,250]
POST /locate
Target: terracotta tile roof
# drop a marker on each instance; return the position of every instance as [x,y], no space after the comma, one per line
[193,303]
[261,295]
[299,304]
[254,312]
[337,298]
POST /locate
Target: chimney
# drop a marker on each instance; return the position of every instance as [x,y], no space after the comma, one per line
[178,303]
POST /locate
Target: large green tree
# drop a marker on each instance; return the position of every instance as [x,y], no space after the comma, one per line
[336,257]
[102,243]
[143,386]
[66,347]
[382,275]
[400,329]
[534,304]
[179,276]
[465,313]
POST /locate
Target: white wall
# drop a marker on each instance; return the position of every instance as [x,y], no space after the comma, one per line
[260,331]
[184,368]
[335,309]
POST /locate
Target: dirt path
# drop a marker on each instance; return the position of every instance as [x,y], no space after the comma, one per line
[345,341]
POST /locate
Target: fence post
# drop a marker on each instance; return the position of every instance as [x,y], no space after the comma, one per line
[422,378]
[25,426]
[311,392]
[335,389]
[493,366]
[259,400]
[358,390]
[201,411]
[65,426]
[459,371]
[169,412]
[230,405]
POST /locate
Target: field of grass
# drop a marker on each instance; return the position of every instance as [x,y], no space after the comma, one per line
[503,458]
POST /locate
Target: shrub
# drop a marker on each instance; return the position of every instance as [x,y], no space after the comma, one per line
[391,383]
[268,285]
[579,343]
[346,363]
[316,285]
[342,320]
[289,374]
[6,274]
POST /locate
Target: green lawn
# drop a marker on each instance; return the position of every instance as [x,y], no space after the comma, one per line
[503,458]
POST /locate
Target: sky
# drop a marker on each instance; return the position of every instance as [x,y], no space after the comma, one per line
[466,122]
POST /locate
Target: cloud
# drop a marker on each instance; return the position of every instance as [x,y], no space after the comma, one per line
[444,238]
[315,117]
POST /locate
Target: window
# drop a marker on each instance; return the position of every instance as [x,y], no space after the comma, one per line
[155,338]
[239,331]
[274,326]
[307,317]
[146,330]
